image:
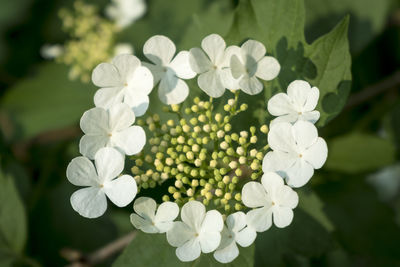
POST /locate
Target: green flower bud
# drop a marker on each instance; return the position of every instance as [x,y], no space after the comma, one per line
[238,172]
[243,107]
[227,127]
[252,130]
[165,198]
[253,139]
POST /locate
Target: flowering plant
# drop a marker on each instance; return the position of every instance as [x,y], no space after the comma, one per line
[226,185]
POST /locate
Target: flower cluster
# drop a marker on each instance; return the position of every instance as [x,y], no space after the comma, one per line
[92,37]
[246,176]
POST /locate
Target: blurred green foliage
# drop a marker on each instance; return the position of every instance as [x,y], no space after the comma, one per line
[340,220]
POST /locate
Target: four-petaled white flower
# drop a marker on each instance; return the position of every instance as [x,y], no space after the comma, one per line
[148,220]
[297,151]
[111,128]
[235,231]
[272,199]
[199,231]
[91,202]
[125,12]
[160,50]
[123,80]
[298,104]
[251,63]
[213,68]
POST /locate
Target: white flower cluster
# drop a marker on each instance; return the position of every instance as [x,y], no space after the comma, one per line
[126,82]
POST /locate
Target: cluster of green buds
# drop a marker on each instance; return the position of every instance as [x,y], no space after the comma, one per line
[199,155]
[91,39]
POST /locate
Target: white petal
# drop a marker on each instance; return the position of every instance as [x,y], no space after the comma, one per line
[280,137]
[106,75]
[121,117]
[193,213]
[290,118]
[229,52]
[280,104]
[214,46]
[145,207]
[260,219]
[227,254]
[89,202]
[198,60]
[237,67]
[209,241]
[107,97]
[126,65]
[121,191]
[316,154]
[311,116]
[299,174]
[181,66]
[179,234]
[81,172]
[268,68]
[253,48]
[189,251]
[143,224]
[298,91]
[109,163]
[156,70]
[166,213]
[227,79]
[159,49]
[254,195]
[272,182]
[305,134]
[212,222]
[283,216]
[286,197]
[246,237]
[141,82]
[236,221]
[277,161]
[312,99]
[139,103]
[172,90]
[95,122]
[131,140]
[250,85]
[210,83]
[90,144]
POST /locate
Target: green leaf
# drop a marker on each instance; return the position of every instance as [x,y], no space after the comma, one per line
[13,228]
[304,239]
[153,250]
[368,18]
[326,63]
[47,101]
[358,152]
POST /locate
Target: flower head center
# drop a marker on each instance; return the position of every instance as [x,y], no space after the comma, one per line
[300,155]
[196,234]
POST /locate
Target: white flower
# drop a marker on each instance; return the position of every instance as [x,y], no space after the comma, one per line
[125,12]
[111,128]
[235,231]
[297,151]
[272,199]
[213,68]
[91,202]
[199,231]
[49,51]
[123,81]
[160,50]
[123,48]
[298,104]
[250,64]
[150,221]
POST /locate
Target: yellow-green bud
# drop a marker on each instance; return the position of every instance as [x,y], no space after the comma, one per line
[231,101]
[253,139]
[238,206]
[224,145]
[218,192]
[186,128]
[213,163]
[169,161]
[208,195]
[195,108]
[253,153]
[264,129]
[189,192]
[243,107]
[135,170]
[227,107]
[226,179]
[260,156]
[227,127]
[233,164]
[227,196]
[238,172]
[175,107]
[171,189]
[220,134]
[139,162]
[252,130]
[195,182]
[165,198]
[170,123]
[218,117]
[207,128]
[176,195]
[178,184]
[244,134]
[242,160]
